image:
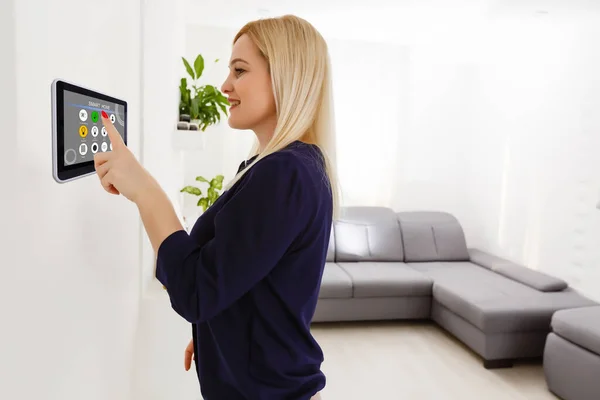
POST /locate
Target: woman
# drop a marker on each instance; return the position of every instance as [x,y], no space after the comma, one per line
[247,276]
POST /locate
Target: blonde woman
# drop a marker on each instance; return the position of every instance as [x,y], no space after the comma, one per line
[247,276]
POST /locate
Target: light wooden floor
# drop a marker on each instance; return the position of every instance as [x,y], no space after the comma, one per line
[415,360]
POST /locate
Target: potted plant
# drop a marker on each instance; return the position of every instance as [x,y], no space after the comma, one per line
[200,106]
[212,193]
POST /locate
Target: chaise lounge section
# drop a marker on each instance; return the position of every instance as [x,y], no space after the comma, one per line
[416,265]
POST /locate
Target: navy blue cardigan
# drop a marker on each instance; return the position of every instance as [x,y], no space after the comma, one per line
[248,276]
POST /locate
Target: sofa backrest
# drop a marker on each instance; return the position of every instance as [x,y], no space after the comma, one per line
[432,236]
[331,248]
[367,234]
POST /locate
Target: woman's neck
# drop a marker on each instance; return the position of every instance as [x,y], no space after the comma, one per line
[264,132]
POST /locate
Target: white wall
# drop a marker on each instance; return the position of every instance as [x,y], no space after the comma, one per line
[163,41]
[503,135]
[11,272]
[162,335]
[535,172]
[72,292]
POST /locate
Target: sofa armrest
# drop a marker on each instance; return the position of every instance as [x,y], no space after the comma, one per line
[532,278]
[487,260]
[519,273]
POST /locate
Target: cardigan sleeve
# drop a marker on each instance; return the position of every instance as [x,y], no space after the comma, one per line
[253,231]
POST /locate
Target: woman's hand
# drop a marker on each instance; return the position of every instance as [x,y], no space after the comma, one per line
[119,171]
[189,355]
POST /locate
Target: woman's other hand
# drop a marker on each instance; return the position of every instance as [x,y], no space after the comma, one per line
[189,355]
[119,171]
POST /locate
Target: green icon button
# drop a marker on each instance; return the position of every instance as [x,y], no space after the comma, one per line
[94,116]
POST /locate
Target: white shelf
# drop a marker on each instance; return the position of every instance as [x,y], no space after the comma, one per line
[188,140]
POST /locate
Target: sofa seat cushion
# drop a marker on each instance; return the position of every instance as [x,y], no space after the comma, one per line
[336,283]
[492,302]
[580,326]
[386,279]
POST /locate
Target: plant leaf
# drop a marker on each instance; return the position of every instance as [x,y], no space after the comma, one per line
[216,184]
[211,90]
[191,190]
[212,194]
[188,67]
[184,101]
[199,66]
[183,86]
[223,108]
[222,98]
[183,90]
[195,108]
[203,202]
[202,179]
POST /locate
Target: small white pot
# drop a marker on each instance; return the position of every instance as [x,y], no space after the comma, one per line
[196,122]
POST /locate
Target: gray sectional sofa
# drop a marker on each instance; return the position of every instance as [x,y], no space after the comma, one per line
[384,265]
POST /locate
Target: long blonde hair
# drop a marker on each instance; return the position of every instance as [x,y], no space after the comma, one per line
[300,69]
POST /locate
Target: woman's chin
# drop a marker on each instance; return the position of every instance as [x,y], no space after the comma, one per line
[235,124]
[232,123]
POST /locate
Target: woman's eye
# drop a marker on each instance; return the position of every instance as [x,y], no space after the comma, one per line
[238,71]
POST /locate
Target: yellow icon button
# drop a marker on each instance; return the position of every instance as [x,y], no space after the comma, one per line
[83,131]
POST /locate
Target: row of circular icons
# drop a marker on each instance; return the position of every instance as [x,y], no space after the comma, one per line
[83,148]
[83,131]
[71,156]
[83,116]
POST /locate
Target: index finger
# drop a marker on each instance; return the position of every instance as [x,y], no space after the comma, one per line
[113,134]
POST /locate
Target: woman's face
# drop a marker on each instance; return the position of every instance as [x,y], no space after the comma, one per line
[248,87]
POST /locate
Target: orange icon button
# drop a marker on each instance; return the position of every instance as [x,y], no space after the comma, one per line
[83,131]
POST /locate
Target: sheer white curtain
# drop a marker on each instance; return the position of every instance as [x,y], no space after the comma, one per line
[368,80]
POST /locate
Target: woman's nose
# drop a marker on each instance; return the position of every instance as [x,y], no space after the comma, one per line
[226,87]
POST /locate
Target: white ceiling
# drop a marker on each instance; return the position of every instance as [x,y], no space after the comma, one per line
[396,21]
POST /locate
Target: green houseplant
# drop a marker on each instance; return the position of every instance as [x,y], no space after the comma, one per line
[212,193]
[203,103]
